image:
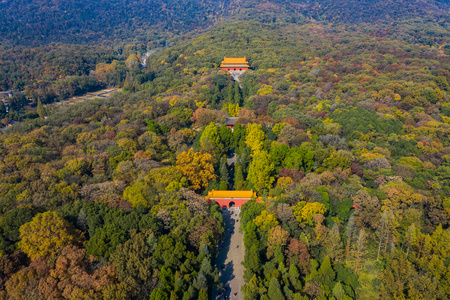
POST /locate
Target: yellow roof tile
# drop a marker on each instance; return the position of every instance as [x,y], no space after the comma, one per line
[234,60]
[231,194]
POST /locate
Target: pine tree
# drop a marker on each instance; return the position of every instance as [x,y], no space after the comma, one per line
[202,295]
[326,273]
[338,291]
[335,248]
[224,175]
[274,291]
[230,92]
[40,109]
[238,177]
[359,251]
[349,231]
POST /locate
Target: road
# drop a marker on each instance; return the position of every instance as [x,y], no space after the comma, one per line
[230,257]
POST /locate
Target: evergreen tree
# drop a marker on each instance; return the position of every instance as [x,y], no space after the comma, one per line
[40,109]
[224,176]
[226,138]
[294,277]
[274,291]
[202,295]
[2,109]
[338,291]
[238,177]
[326,273]
[335,248]
[359,251]
[229,94]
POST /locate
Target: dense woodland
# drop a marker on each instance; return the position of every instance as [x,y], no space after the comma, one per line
[342,131]
[39,22]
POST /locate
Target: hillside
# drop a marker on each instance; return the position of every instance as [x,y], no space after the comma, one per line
[37,22]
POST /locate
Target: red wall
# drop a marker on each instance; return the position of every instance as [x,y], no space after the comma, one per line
[232,69]
[226,202]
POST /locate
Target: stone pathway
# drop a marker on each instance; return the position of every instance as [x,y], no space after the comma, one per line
[236,74]
[230,257]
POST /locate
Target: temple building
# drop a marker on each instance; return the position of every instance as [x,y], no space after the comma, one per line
[231,198]
[234,64]
[230,122]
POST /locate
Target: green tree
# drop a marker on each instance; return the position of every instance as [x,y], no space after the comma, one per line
[300,158]
[212,134]
[133,260]
[239,183]
[40,109]
[226,138]
[274,291]
[278,152]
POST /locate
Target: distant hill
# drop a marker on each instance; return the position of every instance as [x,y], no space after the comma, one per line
[36,22]
[349,11]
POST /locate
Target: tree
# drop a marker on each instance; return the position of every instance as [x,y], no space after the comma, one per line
[334,246]
[274,291]
[40,109]
[73,278]
[338,291]
[197,167]
[400,196]
[326,274]
[226,138]
[304,211]
[300,158]
[132,61]
[224,176]
[265,221]
[298,255]
[341,159]
[359,251]
[278,153]
[46,234]
[239,183]
[133,260]
[254,138]
[211,133]
[260,173]
[277,237]
[13,219]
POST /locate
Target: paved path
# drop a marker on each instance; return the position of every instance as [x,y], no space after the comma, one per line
[230,257]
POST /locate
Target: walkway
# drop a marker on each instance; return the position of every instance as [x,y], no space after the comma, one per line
[230,257]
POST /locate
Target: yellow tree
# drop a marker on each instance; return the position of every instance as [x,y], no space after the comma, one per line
[255,137]
[399,196]
[265,221]
[197,167]
[305,211]
[277,237]
[46,234]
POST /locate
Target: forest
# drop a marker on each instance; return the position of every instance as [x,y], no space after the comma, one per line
[342,131]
